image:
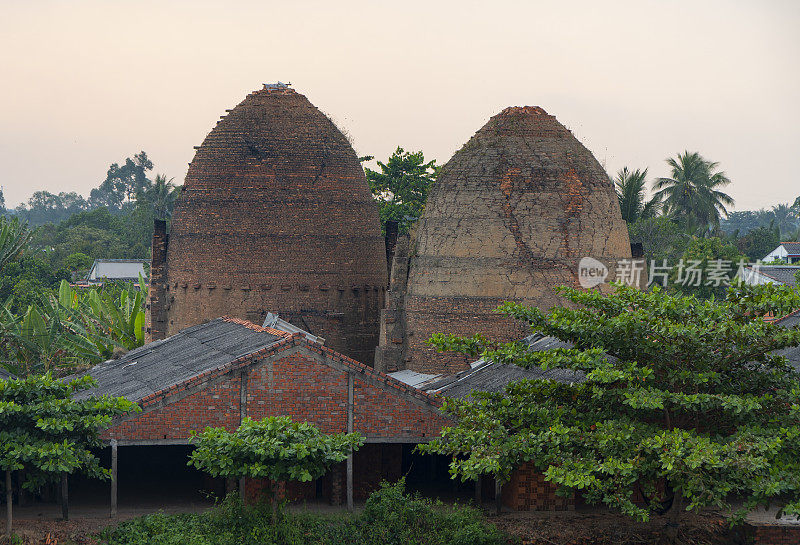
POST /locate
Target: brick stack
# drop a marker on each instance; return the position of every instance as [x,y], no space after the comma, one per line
[527,490]
[275,216]
[509,218]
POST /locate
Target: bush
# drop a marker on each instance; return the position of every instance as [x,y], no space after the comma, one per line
[391,517]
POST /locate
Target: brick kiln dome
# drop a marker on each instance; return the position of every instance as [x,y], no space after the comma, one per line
[509,217]
[275,216]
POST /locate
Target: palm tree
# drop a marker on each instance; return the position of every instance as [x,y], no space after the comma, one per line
[630,187]
[692,195]
[161,194]
[785,218]
[15,238]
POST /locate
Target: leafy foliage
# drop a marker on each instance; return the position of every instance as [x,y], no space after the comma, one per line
[631,191]
[759,242]
[684,398]
[693,194]
[390,517]
[661,238]
[706,255]
[15,240]
[401,187]
[44,432]
[274,448]
[72,329]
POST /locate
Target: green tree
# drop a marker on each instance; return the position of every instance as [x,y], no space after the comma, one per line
[78,264]
[670,394]
[160,196]
[693,194]
[401,187]
[122,183]
[758,242]
[631,191]
[45,432]
[275,448]
[706,268]
[785,217]
[15,238]
[661,238]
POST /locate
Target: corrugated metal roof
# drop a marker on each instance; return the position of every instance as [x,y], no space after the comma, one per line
[793,353]
[493,377]
[792,248]
[780,273]
[161,364]
[412,378]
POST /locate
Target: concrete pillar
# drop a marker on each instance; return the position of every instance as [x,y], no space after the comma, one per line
[350,427]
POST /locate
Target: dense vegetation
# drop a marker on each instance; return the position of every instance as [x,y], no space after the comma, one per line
[390,517]
[681,399]
[45,433]
[275,448]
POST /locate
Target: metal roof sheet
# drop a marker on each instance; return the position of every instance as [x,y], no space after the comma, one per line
[161,364]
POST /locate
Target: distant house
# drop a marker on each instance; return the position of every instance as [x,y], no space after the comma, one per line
[116,270]
[789,252]
[770,274]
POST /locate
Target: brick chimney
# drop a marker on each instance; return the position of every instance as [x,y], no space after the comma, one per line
[157,294]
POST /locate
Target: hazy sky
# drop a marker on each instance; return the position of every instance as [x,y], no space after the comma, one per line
[84,84]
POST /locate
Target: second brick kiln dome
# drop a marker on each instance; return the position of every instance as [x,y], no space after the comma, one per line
[276,216]
[508,219]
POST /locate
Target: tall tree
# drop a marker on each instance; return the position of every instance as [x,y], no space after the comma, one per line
[631,191]
[160,196]
[681,398]
[401,187]
[15,238]
[45,433]
[693,194]
[785,217]
[122,183]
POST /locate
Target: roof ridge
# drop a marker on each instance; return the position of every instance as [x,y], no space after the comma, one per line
[255,327]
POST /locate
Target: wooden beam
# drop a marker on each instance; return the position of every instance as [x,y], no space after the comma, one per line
[114,477]
[9,496]
[64,497]
[350,428]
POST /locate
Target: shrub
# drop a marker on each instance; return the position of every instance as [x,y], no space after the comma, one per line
[391,516]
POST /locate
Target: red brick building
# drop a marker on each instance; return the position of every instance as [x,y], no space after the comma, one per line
[217,373]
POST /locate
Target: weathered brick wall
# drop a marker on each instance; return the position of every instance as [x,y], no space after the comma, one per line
[527,490]
[216,405]
[773,534]
[509,218]
[310,385]
[276,215]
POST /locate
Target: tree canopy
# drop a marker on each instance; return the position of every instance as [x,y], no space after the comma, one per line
[274,448]
[693,193]
[682,398]
[401,187]
[44,432]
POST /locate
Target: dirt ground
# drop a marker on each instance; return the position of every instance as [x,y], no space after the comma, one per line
[599,527]
[35,523]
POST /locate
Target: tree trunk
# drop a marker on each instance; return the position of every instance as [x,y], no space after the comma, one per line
[498,495]
[64,497]
[672,526]
[9,495]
